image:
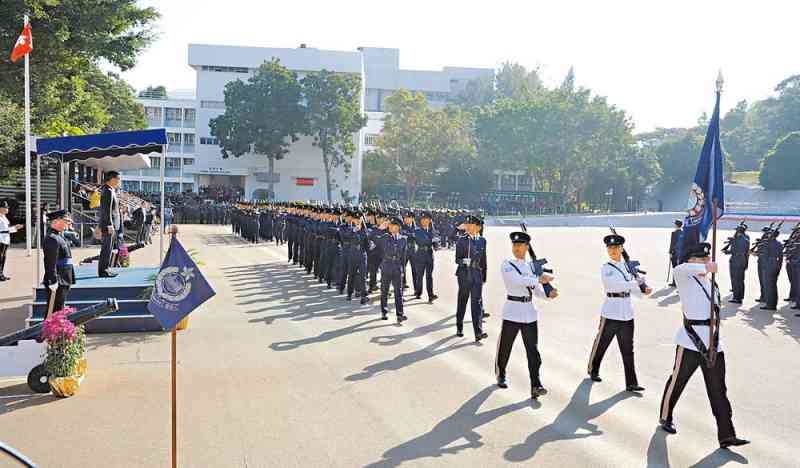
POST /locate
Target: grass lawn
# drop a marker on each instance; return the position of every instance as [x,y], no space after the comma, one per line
[745,177]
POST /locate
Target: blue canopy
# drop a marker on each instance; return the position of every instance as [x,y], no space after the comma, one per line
[107,151]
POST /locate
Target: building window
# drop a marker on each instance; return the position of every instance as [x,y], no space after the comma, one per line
[150,187]
[174,139]
[525,182]
[172,187]
[214,68]
[188,117]
[212,104]
[508,182]
[130,185]
[155,162]
[188,142]
[153,115]
[209,141]
[188,187]
[173,117]
[371,139]
[188,161]
[173,163]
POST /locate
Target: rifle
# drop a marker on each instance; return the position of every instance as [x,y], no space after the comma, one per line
[726,249]
[633,265]
[756,248]
[538,263]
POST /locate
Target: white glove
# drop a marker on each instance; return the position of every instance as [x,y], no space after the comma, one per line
[435,240]
[53,287]
[371,245]
[466,261]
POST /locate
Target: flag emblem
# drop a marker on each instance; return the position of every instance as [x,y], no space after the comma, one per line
[174,284]
[697,201]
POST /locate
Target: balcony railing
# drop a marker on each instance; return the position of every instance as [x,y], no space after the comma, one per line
[188,148]
[152,122]
[172,123]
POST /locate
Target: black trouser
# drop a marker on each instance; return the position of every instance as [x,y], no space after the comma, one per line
[109,244]
[373,263]
[771,287]
[530,338]
[3,252]
[737,280]
[470,288]
[623,331]
[290,247]
[796,283]
[686,362]
[60,297]
[762,280]
[423,264]
[789,271]
[391,274]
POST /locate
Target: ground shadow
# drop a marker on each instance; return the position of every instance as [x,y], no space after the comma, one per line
[216,240]
[330,335]
[406,359]
[391,340]
[720,457]
[657,452]
[573,418]
[101,340]
[20,396]
[443,438]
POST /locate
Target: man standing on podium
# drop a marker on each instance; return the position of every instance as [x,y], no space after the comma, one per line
[110,223]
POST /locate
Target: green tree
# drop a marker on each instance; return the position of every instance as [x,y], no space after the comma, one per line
[379,172]
[421,140]
[154,92]
[333,116]
[476,93]
[514,81]
[263,116]
[781,168]
[11,137]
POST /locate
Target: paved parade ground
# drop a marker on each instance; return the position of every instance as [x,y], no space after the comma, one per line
[277,371]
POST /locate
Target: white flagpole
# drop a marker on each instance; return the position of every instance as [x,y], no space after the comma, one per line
[28,220]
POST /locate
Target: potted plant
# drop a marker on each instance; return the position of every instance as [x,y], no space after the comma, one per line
[66,346]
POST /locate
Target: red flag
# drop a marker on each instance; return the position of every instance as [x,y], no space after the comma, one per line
[24,44]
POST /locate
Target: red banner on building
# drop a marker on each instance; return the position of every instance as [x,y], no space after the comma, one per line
[304,181]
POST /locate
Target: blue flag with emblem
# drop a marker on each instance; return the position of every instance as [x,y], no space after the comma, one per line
[707,188]
[180,287]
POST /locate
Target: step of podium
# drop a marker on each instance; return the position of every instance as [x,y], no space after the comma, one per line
[131,287]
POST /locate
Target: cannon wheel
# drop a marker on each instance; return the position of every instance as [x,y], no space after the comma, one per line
[37,379]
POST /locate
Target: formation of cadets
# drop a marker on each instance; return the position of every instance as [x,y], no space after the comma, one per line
[770,253]
[345,248]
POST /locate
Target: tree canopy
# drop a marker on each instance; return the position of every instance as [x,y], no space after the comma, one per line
[781,168]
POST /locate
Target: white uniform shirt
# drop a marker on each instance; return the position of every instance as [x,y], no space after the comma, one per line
[618,280]
[5,237]
[694,303]
[517,285]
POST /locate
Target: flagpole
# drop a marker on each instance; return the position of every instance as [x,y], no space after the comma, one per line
[28,220]
[713,328]
[174,399]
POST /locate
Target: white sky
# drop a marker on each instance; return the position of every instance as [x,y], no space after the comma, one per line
[656,60]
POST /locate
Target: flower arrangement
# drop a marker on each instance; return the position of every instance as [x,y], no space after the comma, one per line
[66,344]
[124,256]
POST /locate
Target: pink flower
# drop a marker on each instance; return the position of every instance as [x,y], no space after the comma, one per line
[58,326]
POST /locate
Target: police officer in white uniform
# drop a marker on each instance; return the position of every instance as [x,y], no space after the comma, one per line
[6,229]
[616,316]
[692,339]
[519,313]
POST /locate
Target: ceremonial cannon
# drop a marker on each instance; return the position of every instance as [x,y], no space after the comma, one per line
[21,351]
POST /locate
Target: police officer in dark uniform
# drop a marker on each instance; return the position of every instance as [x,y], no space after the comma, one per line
[471,274]
[59,274]
[674,245]
[773,251]
[739,250]
[760,252]
[408,231]
[426,240]
[394,246]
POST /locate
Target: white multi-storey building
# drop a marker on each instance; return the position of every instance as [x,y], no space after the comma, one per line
[300,175]
[177,115]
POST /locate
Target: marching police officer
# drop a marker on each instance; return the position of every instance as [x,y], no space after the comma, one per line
[772,252]
[692,342]
[471,274]
[394,247]
[739,250]
[59,274]
[426,240]
[674,245]
[616,316]
[520,314]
